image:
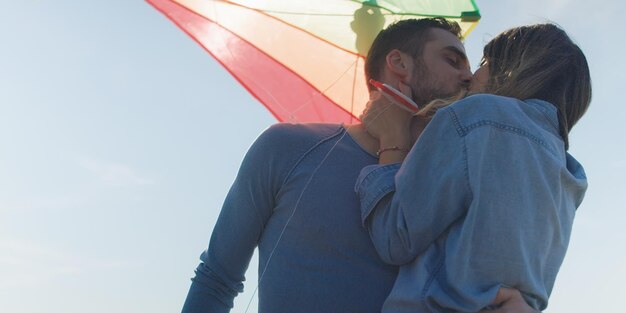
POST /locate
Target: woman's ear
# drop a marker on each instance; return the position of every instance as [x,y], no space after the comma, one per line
[399,63]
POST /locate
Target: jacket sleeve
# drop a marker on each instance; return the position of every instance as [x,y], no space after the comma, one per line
[406,208]
[246,209]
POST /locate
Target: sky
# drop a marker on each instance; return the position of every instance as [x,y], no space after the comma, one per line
[120,136]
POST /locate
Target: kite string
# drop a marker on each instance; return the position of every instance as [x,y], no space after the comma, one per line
[306,103]
[234,56]
[269,259]
[356,68]
[296,206]
[322,92]
[260,279]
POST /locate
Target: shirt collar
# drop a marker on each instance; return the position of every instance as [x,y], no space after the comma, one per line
[548,109]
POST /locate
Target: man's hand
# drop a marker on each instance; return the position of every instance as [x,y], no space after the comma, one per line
[510,301]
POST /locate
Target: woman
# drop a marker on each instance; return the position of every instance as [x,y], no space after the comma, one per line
[487,196]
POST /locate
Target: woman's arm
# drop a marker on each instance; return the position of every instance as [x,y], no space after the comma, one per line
[405,209]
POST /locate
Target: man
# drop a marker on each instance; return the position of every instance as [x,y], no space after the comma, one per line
[293,197]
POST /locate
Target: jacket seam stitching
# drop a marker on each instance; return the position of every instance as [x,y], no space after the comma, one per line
[509,129]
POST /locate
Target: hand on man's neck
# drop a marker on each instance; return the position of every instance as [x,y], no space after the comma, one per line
[359,133]
[363,138]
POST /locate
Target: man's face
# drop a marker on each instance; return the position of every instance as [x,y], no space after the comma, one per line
[442,71]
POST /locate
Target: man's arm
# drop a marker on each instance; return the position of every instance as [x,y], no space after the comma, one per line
[244,213]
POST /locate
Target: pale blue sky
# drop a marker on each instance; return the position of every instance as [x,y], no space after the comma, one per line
[119,137]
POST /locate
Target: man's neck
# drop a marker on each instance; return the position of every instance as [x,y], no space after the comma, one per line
[363,138]
[359,133]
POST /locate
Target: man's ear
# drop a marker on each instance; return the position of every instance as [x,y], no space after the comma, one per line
[399,63]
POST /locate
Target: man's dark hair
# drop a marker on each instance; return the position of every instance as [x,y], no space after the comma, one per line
[408,36]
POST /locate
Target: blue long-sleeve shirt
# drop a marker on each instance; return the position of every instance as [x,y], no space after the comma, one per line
[486,197]
[302,175]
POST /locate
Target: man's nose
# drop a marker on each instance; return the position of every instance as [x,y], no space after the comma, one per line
[466,76]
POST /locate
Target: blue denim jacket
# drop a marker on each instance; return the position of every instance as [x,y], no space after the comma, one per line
[486,197]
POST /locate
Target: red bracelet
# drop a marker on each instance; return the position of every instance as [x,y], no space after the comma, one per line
[394,148]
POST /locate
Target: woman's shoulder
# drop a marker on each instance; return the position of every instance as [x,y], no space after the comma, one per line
[485,101]
[487,106]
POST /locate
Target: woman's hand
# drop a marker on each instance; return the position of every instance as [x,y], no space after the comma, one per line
[386,120]
[390,123]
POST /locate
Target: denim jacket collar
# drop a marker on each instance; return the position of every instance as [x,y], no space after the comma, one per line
[548,110]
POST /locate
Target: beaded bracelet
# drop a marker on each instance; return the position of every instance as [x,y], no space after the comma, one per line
[394,148]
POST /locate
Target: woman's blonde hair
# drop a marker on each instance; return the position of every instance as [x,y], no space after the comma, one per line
[540,62]
[536,62]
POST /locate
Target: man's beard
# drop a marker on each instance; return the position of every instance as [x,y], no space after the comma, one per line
[426,88]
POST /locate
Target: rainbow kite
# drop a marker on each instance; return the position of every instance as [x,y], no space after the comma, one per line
[302,59]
